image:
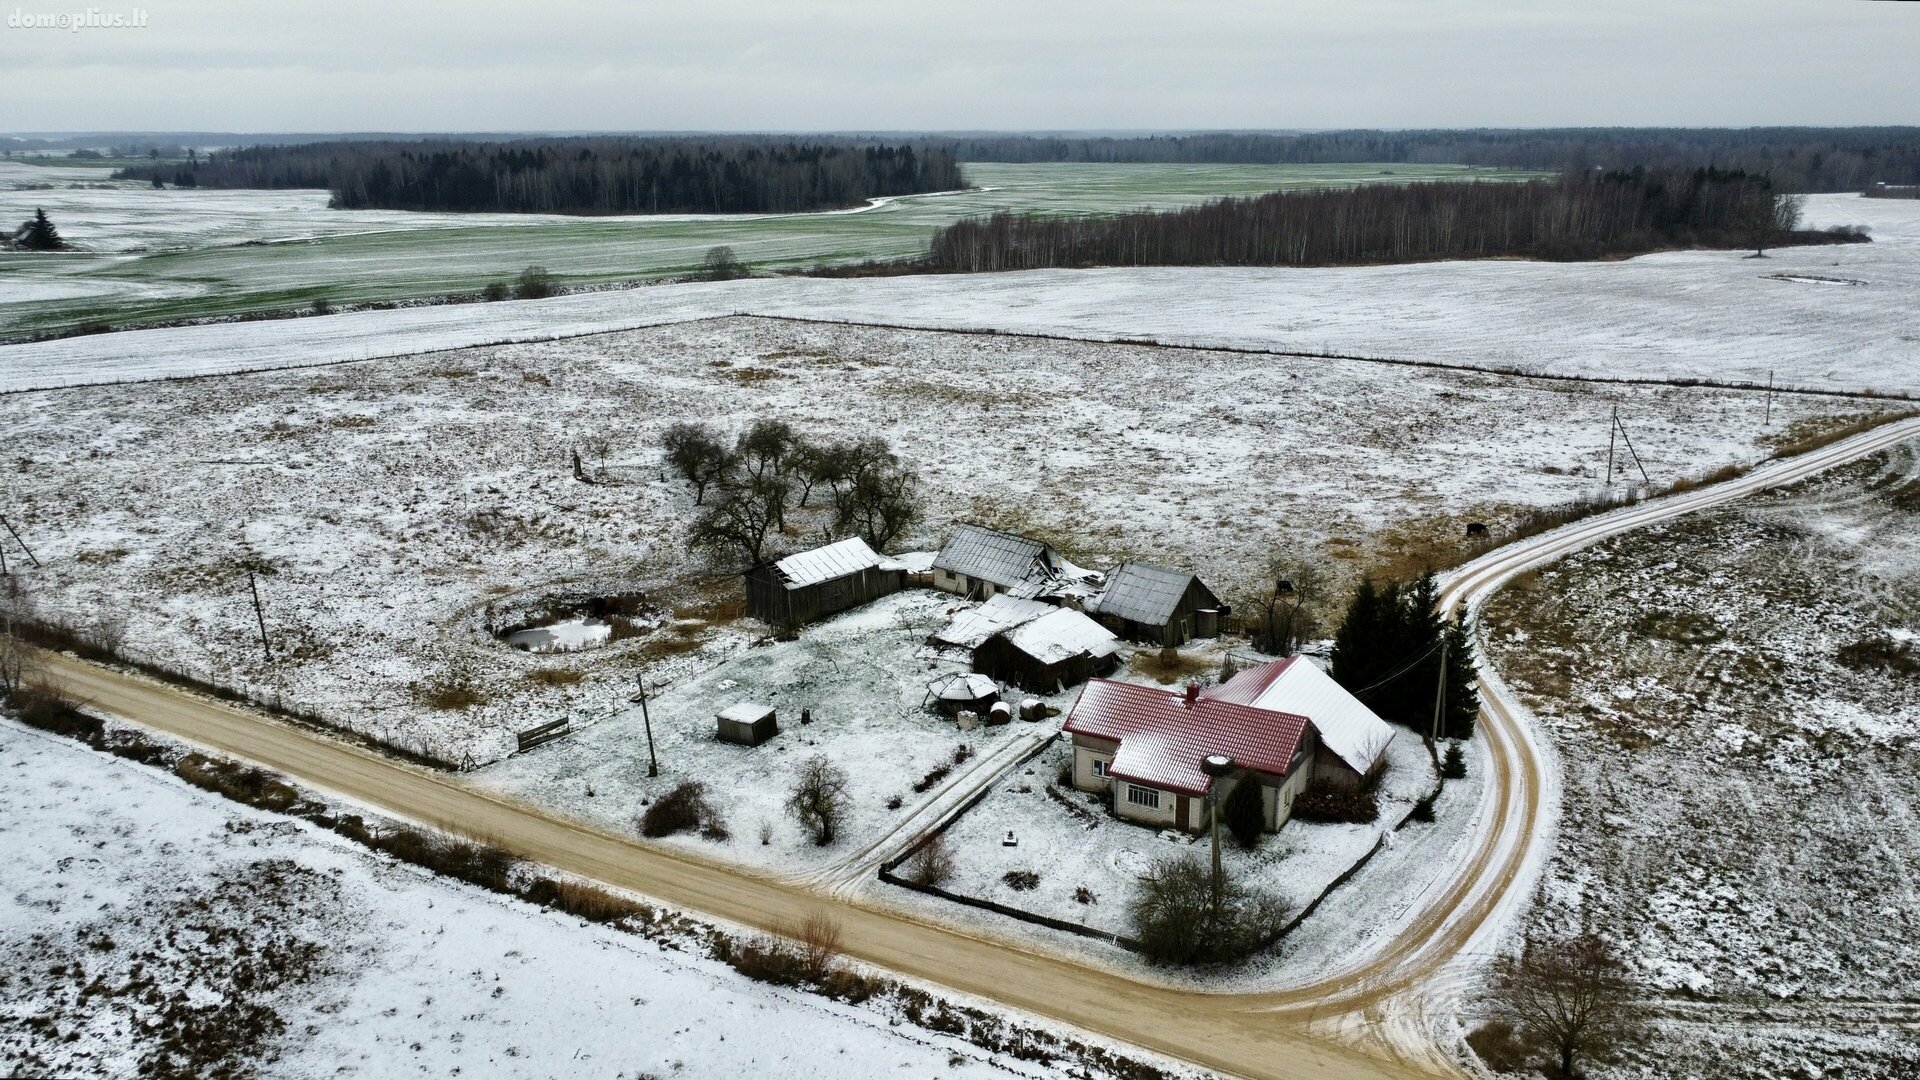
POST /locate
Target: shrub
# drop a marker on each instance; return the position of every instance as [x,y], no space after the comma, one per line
[1176,921]
[1084,895]
[589,902]
[1423,810]
[683,809]
[932,863]
[1499,1046]
[1064,777]
[321,306]
[1336,807]
[1245,812]
[494,292]
[1021,880]
[819,939]
[477,864]
[534,283]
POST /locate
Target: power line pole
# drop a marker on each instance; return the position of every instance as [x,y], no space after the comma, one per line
[1769,397]
[1613,434]
[653,763]
[1439,701]
[259,615]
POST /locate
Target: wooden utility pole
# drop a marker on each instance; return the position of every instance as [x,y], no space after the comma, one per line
[1439,701]
[653,763]
[1769,397]
[1613,433]
[1628,440]
[259,615]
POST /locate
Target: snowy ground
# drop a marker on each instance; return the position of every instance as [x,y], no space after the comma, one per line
[1106,855]
[403,506]
[127,897]
[864,681]
[1684,314]
[1739,738]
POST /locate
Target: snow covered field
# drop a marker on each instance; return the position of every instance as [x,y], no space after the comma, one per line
[400,508]
[1734,701]
[126,895]
[148,256]
[1715,315]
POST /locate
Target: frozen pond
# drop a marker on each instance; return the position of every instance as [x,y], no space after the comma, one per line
[568,635]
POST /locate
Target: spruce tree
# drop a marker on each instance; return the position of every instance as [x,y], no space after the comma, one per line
[40,235]
[1355,659]
[1463,696]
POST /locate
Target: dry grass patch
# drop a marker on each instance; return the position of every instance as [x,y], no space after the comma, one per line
[555,676]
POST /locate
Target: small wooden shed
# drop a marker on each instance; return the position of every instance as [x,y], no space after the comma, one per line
[748,724]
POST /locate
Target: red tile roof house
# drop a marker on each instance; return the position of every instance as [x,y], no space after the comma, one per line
[1147,745]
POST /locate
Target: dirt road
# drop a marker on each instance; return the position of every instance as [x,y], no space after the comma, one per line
[1349,1023]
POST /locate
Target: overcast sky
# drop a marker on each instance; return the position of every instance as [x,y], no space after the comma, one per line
[482,65]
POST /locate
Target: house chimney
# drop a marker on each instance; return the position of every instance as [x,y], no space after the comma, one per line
[1193,692]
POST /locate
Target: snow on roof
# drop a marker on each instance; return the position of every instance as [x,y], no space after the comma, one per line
[1001,612]
[746,712]
[913,562]
[1295,685]
[989,555]
[960,686]
[1062,633]
[849,556]
[1142,593]
[1163,737]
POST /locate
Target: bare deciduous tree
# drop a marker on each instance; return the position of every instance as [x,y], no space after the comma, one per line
[1290,612]
[1573,996]
[697,453]
[739,522]
[819,799]
[932,864]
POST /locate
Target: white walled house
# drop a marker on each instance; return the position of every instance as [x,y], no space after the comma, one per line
[1146,746]
[1286,725]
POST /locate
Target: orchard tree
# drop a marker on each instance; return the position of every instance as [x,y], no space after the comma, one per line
[698,454]
[1574,996]
[819,799]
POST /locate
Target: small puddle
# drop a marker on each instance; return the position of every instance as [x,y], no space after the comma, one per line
[568,635]
[559,624]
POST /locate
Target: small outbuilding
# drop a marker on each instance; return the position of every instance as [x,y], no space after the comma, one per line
[960,691]
[812,585]
[1047,654]
[1157,606]
[748,724]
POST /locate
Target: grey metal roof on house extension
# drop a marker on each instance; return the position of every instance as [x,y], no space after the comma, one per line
[1142,593]
[989,555]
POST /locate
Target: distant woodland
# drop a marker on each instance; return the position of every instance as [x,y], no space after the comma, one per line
[1579,216]
[577,175]
[1799,159]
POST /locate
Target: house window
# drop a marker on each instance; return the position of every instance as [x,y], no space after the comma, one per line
[1099,769]
[1143,796]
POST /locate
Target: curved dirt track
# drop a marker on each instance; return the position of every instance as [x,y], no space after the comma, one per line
[1297,1031]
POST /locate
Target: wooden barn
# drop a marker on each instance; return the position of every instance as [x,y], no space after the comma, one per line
[812,585]
[1047,654]
[1160,607]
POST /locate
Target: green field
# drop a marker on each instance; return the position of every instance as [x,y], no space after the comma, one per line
[161,255]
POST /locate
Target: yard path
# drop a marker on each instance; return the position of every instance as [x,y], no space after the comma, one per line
[846,875]
[1370,1019]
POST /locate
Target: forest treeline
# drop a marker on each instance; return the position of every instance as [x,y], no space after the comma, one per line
[1578,216]
[577,175]
[1799,159]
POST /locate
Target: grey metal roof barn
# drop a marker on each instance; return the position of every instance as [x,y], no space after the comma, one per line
[1150,603]
[1142,593]
[989,555]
